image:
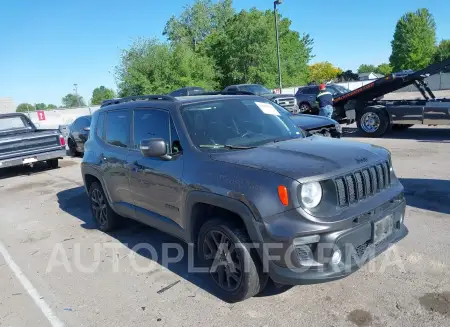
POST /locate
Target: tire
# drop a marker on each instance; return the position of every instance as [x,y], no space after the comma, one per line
[373,122]
[251,280]
[53,163]
[105,218]
[72,148]
[401,127]
[304,107]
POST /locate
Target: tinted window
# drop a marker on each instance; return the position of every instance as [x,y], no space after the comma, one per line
[311,90]
[117,128]
[150,123]
[12,123]
[231,88]
[100,124]
[178,93]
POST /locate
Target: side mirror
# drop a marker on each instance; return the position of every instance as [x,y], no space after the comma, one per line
[154,148]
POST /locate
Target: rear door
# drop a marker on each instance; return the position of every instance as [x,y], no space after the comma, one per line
[114,160]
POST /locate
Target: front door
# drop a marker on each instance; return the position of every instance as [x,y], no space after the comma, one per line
[156,184]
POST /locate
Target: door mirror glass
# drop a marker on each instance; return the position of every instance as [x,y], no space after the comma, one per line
[153,148]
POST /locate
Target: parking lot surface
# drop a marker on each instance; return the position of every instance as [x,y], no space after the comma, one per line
[56,269]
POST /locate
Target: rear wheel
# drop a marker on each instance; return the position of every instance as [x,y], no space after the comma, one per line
[234,266]
[72,148]
[373,122]
[53,163]
[105,218]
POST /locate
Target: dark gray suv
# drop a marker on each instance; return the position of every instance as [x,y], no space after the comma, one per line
[306,96]
[236,179]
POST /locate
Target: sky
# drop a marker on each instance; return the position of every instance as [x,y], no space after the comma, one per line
[47,46]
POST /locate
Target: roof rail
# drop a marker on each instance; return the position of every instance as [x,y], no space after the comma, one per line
[137,98]
[226,93]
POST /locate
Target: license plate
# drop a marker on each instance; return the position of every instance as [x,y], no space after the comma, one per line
[383,229]
[29,160]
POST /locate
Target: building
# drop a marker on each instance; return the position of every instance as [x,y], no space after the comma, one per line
[368,76]
[7,105]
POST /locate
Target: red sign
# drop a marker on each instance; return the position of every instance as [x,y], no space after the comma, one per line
[41,114]
[277,91]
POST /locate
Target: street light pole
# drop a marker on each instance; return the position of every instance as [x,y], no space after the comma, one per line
[76,94]
[275,3]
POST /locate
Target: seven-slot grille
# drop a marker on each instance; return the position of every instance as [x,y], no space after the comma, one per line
[362,184]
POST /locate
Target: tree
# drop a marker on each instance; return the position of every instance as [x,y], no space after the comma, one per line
[383,69]
[51,106]
[198,21]
[245,51]
[366,69]
[347,76]
[41,106]
[322,72]
[414,43]
[73,100]
[24,107]
[100,94]
[442,52]
[150,66]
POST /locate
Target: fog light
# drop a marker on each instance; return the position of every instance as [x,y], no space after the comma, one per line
[336,258]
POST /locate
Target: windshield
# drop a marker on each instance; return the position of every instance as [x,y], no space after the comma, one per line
[237,122]
[9,123]
[255,89]
[340,89]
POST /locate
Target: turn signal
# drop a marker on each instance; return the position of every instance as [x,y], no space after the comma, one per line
[62,141]
[283,195]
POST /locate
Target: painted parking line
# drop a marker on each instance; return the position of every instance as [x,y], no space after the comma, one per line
[48,313]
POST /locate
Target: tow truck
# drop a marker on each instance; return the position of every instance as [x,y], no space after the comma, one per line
[375,116]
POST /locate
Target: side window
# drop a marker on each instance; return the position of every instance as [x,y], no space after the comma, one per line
[232,89]
[150,123]
[100,125]
[117,128]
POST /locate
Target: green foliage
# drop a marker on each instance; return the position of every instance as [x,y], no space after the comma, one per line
[72,100]
[323,72]
[414,43]
[366,69]
[51,106]
[384,69]
[100,94]
[24,107]
[442,52]
[245,51]
[150,66]
[198,21]
[40,106]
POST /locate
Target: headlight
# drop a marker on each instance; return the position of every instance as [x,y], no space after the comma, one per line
[338,127]
[311,194]
[295,101]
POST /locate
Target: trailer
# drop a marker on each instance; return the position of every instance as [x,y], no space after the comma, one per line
[375,116]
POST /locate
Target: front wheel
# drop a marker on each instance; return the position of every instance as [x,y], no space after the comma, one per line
[373,122]
[105,218]
[304,107]
[234,266]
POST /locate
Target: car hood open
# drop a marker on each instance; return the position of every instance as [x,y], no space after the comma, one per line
[308,157]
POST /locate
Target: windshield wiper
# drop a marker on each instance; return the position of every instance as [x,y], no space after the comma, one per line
[226,146]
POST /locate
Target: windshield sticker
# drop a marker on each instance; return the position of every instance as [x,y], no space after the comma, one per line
[267,108]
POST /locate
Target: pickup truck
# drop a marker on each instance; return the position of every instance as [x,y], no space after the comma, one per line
[21,143]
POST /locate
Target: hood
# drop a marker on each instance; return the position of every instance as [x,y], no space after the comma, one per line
[311,122]
[302,158]
[272,96]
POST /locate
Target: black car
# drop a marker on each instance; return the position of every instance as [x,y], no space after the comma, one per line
[287,101]
[78,135]
[238,181]
[186,91]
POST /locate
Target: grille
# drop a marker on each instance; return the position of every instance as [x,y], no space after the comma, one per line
[285,102]
[361,184]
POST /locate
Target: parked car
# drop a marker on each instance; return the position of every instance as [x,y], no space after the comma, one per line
[78,135]
[314,125]
[21,143]
[287,101]
[186,91]
[235,178]
[306,96]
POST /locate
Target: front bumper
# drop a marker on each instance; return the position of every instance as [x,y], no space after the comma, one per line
[20,161]
[287,265]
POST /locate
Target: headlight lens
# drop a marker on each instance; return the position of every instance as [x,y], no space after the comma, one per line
[338,127]
[311,194]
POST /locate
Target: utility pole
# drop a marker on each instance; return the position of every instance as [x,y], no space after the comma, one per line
[275,3]
[76,94]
